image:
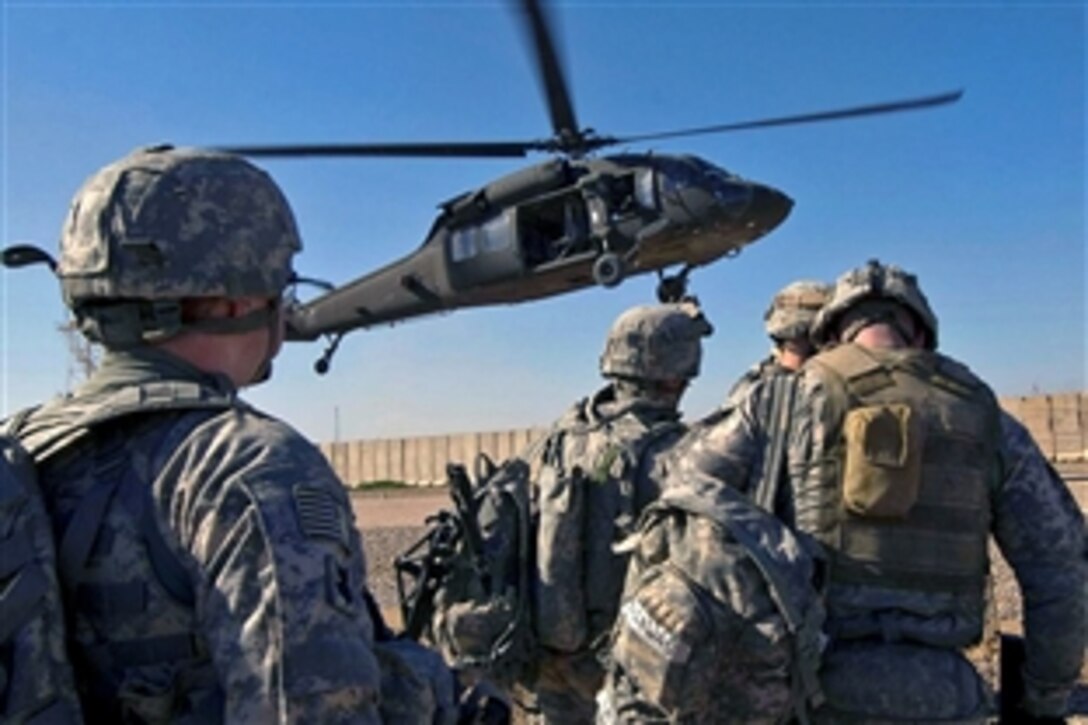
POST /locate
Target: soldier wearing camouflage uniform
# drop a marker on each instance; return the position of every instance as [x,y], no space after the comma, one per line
[600,465]
[902,465]
[743,442]
[787,321]
[211,567]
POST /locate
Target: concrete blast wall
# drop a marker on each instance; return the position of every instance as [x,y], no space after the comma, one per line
[421,461]
[1056,421]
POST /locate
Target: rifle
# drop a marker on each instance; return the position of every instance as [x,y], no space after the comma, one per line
[422,569]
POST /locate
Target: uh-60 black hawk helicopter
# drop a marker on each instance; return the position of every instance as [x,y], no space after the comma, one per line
[561,225]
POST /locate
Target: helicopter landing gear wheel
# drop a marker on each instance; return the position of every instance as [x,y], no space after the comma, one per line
[608,270]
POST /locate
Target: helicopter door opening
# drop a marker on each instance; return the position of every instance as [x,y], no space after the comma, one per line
[485,252]
[553,229]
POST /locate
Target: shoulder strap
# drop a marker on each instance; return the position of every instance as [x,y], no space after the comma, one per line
[115,478]
[145,398]
[156,397]
[13,424]
[861,371]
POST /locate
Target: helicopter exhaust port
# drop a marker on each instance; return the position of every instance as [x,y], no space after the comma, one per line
[608,270]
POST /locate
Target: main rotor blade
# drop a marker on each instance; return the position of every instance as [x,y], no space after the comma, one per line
[551,73]
[868,110]
[512,149]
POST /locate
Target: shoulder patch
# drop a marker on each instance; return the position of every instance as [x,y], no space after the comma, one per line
[320,514]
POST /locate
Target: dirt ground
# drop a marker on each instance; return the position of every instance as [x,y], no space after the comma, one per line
[392,521]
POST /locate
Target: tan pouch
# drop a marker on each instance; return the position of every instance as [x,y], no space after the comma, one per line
[883,470]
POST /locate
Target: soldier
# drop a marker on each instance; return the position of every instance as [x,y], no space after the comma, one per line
[211,568]
[902,465]
[743,442]
[597,469]
[787,320]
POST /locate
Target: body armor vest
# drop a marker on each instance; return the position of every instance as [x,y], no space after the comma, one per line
[907,480]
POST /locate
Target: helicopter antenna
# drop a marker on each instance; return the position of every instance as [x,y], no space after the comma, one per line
[321,365]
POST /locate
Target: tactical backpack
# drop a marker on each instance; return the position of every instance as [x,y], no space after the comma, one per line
[37,684]
[465,586]
[586,502]
[520,564]
[36,680]
[721,620]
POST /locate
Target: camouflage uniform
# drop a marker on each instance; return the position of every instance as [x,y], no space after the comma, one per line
[742,443]
[615,441]
[901,465]
[274,627]
[211,566]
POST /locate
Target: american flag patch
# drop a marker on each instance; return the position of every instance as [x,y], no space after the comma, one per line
[320,515]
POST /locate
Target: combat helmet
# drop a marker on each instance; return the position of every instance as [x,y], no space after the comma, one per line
[656,342]
[793,309]
[165,224]
[875,281]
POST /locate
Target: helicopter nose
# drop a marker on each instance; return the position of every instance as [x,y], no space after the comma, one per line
[769,208]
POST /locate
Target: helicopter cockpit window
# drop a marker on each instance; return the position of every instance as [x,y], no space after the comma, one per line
[679,173]
[682,173]
[645,191]
[495,234]
[463,244]
[491,236]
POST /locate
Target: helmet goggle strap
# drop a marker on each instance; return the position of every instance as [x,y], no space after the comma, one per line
[876,312]
[267,316]
[124,324]
[807,301]
[250,321]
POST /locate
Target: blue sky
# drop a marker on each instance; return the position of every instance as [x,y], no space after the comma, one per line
[985,200]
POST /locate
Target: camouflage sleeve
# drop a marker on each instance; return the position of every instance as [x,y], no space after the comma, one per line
[814,434]
[727,445]
[1041,532]
[281,573]
[741,387]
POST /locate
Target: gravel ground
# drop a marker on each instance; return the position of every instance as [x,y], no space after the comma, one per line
[384,544]
[382,547]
